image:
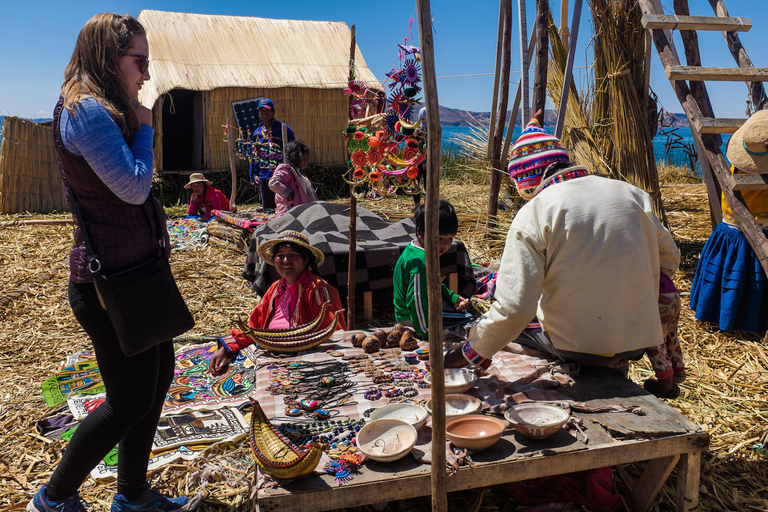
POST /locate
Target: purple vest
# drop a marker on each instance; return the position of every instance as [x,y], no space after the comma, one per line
[122,234]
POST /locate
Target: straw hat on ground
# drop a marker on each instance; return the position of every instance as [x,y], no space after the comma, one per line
[266,249]
[197,177]
[748,147]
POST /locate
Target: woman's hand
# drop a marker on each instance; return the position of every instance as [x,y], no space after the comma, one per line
[145,114]
[193,197]
[461,303]
[219,363]
[454,359]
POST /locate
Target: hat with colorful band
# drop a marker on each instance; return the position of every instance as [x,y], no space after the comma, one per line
[532,153]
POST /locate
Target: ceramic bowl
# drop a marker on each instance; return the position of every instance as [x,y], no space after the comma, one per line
[474,431]
[458,405]
[386,439]
[537,421]
[409,413]
[457,380]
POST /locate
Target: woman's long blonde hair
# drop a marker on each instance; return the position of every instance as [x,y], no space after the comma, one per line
[94,68]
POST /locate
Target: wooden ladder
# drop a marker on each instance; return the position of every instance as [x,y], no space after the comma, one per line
[705,127]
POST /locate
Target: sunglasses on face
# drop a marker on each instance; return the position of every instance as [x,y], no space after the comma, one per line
[143,61]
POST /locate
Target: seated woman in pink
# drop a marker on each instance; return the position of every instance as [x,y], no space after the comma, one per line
[204,198]
[297,298]
[289,183]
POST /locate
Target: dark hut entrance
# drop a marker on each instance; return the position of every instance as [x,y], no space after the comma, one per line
[182,131]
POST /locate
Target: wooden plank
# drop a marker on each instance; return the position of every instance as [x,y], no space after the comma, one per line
[453,282]
[717,125]
[542,60]
[688,476]
[672,22]
[567,77]
[749,181]
[655,475]
[717,74]
[368,307]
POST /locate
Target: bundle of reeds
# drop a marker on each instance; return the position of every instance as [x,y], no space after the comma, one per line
[619,117]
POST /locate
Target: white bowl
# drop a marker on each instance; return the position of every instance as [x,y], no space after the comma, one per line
[409,413]
[458,405]
[386,439]
[537,421]
[457,380]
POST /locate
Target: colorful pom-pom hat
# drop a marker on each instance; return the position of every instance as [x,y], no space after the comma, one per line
[532,153]
[747,148]
[266,249]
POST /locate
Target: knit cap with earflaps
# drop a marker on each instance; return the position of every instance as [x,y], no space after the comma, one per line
[532,153]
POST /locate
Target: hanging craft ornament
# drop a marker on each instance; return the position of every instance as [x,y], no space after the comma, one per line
[383,157]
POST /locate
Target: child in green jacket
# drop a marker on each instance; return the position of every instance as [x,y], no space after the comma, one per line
[410,278]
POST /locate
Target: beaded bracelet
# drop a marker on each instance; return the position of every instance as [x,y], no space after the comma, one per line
[372,394]
[367,412]
[410,392]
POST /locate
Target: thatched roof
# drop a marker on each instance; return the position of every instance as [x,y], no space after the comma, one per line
[203,52]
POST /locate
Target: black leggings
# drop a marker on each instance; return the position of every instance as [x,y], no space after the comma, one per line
[136,388]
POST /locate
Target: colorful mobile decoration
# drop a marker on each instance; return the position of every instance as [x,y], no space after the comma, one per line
[385,148]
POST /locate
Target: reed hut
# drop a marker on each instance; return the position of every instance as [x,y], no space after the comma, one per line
[201,64]
[29,174]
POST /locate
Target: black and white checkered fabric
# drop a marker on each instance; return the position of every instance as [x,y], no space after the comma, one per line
[379,244]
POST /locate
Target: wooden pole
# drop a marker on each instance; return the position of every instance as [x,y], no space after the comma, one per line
[568,68]
[439,494]
[525,63]
[516,106]
[564,34]
[352,266]
[232,164]
[542,60]
[495,96]
[505,19]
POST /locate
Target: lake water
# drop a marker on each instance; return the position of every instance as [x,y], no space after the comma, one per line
[672,148]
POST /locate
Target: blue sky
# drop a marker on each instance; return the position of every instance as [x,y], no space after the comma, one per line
[39,36]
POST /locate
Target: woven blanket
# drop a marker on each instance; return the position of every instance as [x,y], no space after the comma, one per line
[80,376]
[379,244]
[186,234]
[245,220]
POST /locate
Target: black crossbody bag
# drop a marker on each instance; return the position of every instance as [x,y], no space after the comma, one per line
[143,302]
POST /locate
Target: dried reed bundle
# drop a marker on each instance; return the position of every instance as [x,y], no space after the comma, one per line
[619,113]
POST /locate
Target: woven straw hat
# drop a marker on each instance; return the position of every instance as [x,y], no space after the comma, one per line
[197,177]
[266,248]
[532,153]
[746,148]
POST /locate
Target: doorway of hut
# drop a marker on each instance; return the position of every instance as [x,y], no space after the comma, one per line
[183,131]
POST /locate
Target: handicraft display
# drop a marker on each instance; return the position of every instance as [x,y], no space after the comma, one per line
[384,148]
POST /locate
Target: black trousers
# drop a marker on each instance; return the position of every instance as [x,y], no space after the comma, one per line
[136,389]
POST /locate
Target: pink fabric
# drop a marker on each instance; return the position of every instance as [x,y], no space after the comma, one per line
[286,177]
[284,306]
[214,200]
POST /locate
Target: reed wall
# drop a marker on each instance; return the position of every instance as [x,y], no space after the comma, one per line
[29,173]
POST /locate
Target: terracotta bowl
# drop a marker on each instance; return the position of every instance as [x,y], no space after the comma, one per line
[457,380]
[537,421]
[386,439]
[409,413]
[474,431]
[458,405]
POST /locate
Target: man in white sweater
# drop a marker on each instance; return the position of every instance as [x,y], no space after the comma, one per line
[583,256]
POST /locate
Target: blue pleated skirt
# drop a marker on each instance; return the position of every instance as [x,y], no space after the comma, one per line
[730,288]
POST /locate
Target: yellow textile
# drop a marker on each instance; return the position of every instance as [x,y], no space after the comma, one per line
[756,201]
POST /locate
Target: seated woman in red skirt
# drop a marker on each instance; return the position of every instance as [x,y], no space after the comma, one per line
[297,298]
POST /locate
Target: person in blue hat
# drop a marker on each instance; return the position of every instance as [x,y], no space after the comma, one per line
[269,139]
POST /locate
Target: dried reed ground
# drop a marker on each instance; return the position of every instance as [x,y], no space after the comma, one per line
[725,393]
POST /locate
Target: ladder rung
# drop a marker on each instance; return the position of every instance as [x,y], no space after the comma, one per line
[700,74]
[672,22]
[721,125]
[749,181]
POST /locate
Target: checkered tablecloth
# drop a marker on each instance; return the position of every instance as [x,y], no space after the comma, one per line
[379,245]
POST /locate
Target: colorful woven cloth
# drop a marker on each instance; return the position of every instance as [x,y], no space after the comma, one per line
[186,234]
[245,220]
[80,375]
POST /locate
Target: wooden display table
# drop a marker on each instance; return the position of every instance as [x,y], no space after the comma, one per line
[663,437]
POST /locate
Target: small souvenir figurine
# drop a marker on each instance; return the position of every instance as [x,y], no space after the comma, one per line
[380,335]
[408,343]
[357,339]
[393,340]
[371,345]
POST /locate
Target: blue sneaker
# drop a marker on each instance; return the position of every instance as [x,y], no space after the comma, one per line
[150,501]
[40,503]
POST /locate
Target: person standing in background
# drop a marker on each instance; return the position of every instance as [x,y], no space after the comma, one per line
[268,139]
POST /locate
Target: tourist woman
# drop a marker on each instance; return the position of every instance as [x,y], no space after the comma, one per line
[295,299]
[103,139]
